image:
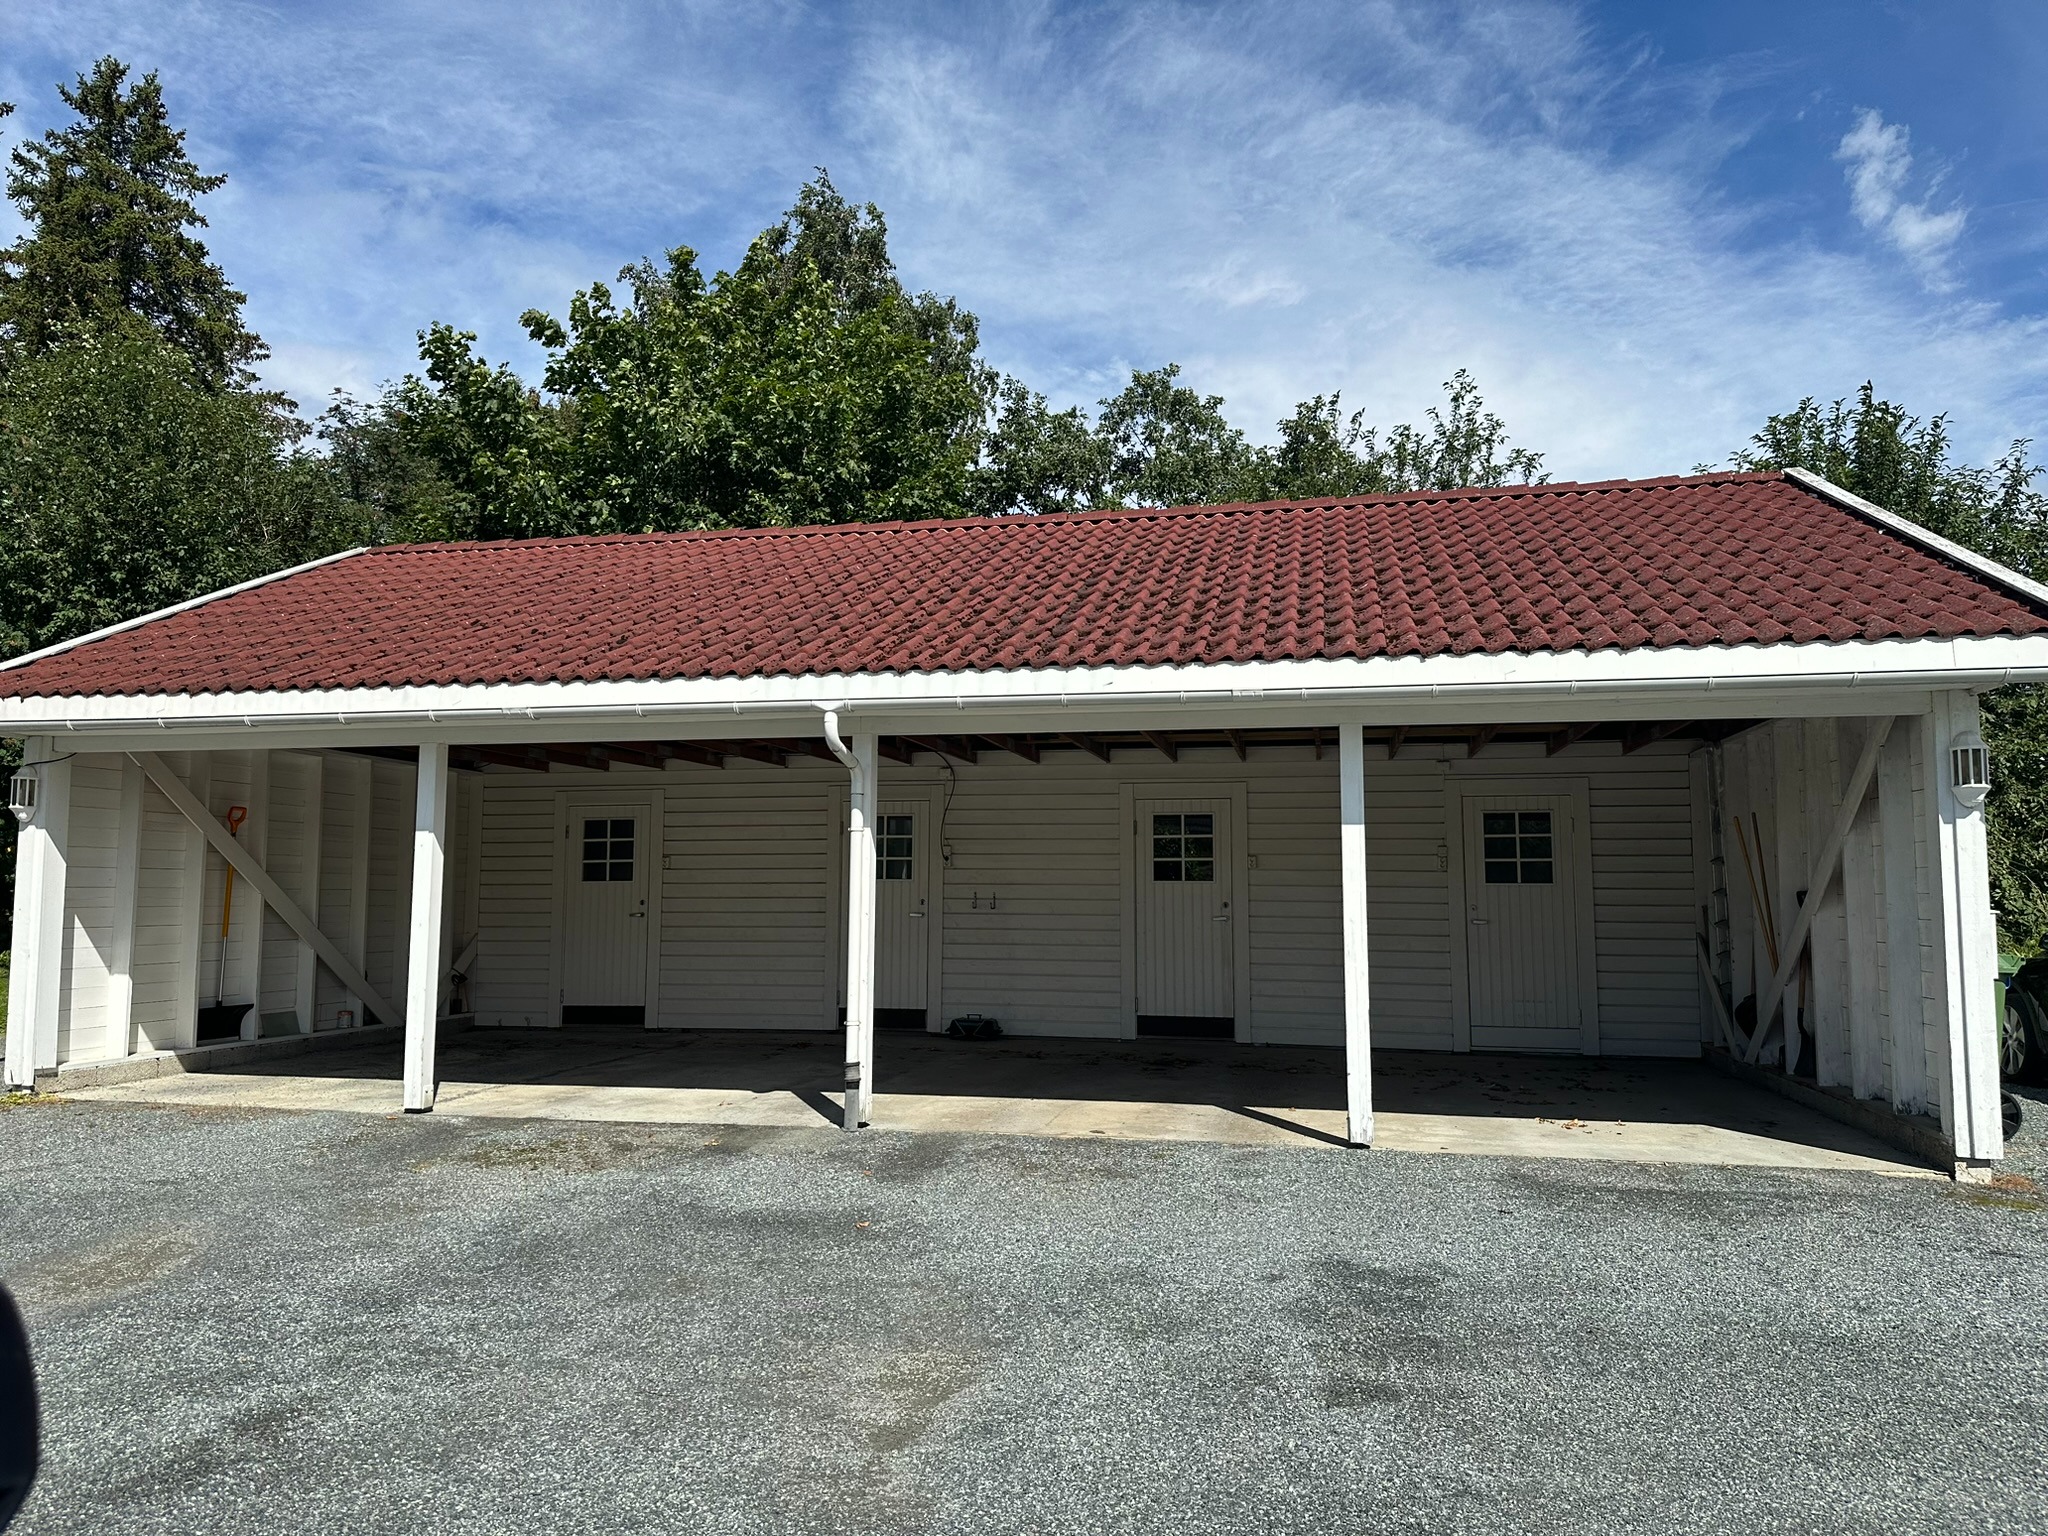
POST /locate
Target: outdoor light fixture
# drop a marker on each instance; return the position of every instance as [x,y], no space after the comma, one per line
[21,797]
[1969,768]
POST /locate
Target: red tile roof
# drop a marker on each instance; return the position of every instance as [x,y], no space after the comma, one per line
[1703,560]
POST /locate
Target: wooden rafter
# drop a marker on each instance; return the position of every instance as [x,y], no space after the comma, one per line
[531,759]
[1641,736]
[659,754]
[1236,743]
[954,747]
[1394,741]
[893,749]
[757,751]
[1016,746]
[1164,743]
[1559,740]
[1087,744]
[1480,738]
[804,746]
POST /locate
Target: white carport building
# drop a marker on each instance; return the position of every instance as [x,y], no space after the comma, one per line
[1652,767]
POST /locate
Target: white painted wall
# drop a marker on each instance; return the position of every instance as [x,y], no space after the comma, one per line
[1033,897]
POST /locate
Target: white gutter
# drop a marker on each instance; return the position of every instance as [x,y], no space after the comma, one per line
[164,613]
[416,719]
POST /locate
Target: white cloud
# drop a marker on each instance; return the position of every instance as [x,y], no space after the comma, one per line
[1285,198]
[1879,162]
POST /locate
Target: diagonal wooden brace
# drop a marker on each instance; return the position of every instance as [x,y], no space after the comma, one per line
[1825,868]
[244,864]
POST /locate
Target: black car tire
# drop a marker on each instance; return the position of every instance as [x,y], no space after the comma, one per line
[2023,1042]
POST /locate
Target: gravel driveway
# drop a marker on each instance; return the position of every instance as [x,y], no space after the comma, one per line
[254,1321]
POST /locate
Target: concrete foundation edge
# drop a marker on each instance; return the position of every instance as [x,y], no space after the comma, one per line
[1920,1135]
[203,1058]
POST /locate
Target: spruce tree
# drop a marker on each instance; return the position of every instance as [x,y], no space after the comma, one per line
[110,203]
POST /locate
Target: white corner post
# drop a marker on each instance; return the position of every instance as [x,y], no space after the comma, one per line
[1966,936]
[860,761]
[1357,990]
[42,858]
[423,957]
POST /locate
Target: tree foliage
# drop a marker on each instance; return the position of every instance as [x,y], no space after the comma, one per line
[1883,453]
[110,203]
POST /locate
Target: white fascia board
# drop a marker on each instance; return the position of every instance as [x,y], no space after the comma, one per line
[164,613]
[1652,683]
[1906,528]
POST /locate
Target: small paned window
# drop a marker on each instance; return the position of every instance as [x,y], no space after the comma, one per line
[893,850]
[608,848]
[1184,847]
[1518,848]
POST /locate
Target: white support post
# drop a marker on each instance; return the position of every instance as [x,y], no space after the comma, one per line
[862,802]
[120,1038]
[1967,942]
[1862,919]
[42,855]
[423,958]
[306,983]
[194,947]
[1357,990]
[1905,961]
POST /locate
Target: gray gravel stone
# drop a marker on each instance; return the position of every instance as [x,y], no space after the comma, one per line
[264,1322]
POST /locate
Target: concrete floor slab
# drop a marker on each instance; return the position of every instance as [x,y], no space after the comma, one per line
[1621,1110]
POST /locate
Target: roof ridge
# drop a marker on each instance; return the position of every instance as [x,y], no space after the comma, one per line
[1091,514]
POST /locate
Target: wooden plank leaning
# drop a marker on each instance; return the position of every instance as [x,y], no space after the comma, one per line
[246,866]
[1825,868]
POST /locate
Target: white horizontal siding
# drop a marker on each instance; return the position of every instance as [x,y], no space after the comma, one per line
[82,1017]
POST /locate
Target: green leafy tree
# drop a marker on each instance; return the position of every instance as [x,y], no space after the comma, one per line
[1323,453]
[806,386]
[127,484]
[1904,464]
[110,204]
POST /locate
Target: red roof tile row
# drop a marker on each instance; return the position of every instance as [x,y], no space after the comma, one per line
[1702,560]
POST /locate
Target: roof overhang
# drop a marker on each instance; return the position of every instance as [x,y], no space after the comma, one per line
[1710,682]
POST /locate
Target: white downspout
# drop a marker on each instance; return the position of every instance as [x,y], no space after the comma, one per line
[859,759]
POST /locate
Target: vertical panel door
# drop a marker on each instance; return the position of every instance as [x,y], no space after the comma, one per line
[1522,916]
[902,915]
[1185,891]
[604,960]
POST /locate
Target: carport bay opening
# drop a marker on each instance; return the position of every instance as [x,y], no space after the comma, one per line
[1599,853]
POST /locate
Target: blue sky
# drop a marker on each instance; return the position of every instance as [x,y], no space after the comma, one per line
[1643,226]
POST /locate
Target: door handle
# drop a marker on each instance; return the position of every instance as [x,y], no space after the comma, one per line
[1223,919]
[917,914]
[1481,922]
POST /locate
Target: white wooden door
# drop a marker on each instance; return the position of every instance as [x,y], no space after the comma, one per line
[1185,948]
[903,913]
[1522,923]
[604,959]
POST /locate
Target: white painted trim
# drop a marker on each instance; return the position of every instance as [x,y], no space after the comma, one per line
[1351,853]
[423,949]
[192,903]
[1926,538]
[863,798]
[1905,963]
[164,613]
[1577,792]
[248,923]
[1701,682]
[363,817]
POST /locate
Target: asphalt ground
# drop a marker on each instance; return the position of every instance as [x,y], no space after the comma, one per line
[257,1321]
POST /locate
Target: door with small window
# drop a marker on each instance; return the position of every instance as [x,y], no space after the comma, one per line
[903,916]
[604,960]
[1522,916]
[1185,945]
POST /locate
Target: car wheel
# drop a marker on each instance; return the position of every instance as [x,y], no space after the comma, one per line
[2023,1043]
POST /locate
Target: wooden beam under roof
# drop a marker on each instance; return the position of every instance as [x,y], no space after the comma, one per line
[1087,744]
[1559,740]
[942,746]
[529,759]
[1480,738]
[1016,746]
[803,746]
[755,751]
[659,754]
[893,749]
[1641,736]
[1236,743]
[1164,743]
[1400,734]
